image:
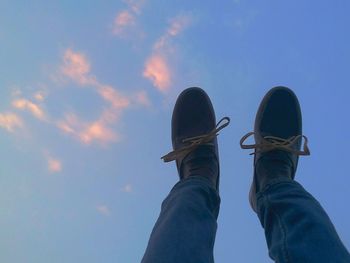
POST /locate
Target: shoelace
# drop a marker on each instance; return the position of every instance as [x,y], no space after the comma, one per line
[270,143]
[194,142]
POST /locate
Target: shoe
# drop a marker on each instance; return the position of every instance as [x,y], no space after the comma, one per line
[278,138]
[193,133]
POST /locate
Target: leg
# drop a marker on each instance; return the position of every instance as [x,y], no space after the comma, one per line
[186,228]
[297,229]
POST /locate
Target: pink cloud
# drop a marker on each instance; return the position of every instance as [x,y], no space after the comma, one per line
[97,131]
[158,72]
[10,121]
[39,96]
[157,68]
[25,104]
[123,20]
[54,165]
[77,67]
[142,98]
[135,5]
[89,132]
[70,124]
[177,25]
[113,96]
[103,209]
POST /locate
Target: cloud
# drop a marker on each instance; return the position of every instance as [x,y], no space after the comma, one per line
[178,24]
[157,67]
[35,109]
[90,132]
[39,96]
[54,165]
[97,131]
[135,5]
[127,188]
[158,72]
[113,97]
[10,121]
[142,98]
[103,209]
[123,20]
[77,67]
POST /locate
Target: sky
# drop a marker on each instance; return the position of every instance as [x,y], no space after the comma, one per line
[87,90]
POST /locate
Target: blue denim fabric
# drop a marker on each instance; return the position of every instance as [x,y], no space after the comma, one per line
[186,227]
[297,229]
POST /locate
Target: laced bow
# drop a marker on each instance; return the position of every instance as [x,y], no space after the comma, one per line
[269,143]
[194,142]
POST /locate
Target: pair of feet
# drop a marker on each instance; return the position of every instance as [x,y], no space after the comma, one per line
[277,132]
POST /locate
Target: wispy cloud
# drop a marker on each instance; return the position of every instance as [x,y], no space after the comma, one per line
[33,108]
[10,121]
[178,24]
[90,132]
[157,67]
[104,210]
[77,67]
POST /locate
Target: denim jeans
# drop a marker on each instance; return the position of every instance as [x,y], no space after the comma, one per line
[297,229]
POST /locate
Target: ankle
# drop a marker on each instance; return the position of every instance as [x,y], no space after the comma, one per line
[272,167]
[201,162]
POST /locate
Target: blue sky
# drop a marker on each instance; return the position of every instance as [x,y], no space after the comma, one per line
[87,90]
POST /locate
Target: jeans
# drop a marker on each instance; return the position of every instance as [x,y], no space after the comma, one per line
[297,229]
